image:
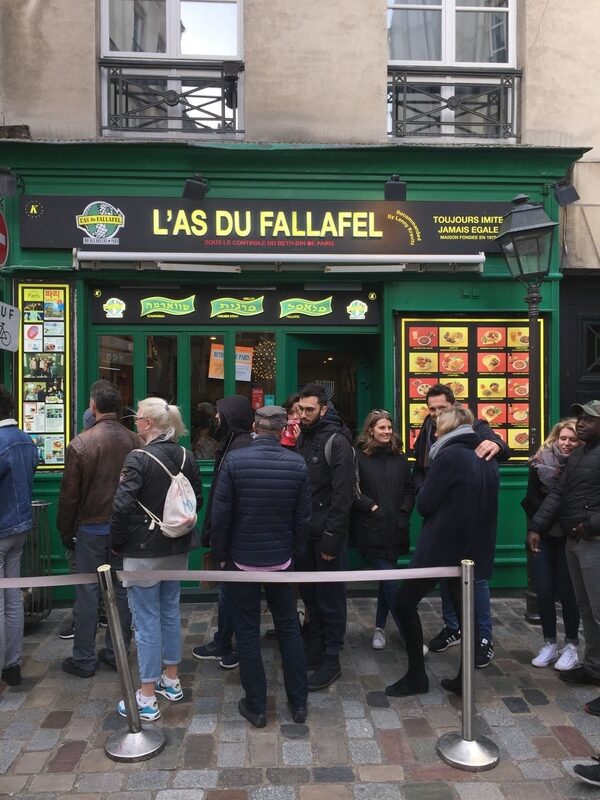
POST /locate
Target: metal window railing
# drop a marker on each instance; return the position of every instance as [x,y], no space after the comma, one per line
[457,103]
[168,97]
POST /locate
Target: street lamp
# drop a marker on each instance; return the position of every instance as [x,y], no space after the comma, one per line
[526,237]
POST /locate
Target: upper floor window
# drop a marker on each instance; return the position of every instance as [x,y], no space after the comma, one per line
[199,29]
[452,32]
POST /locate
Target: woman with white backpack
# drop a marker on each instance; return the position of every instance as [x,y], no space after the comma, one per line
[152,524]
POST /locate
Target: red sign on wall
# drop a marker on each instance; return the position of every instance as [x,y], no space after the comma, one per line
[3,241]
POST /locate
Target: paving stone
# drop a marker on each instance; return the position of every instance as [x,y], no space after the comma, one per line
[231,755]
[377,700]
[226,794]
[11,784]
[573,742]
[180,794]
[273,793]
[263,749]
[198,750]
[353,709]
[525,790]
[201,778]
[11,701]
[207,705]
[329,746]
[478,791]
[203,723]
[516,705]
[540,770]
[377,791]
[333,774]
[419,727]
[67,757]
[496,717]
[295,731]
[148,779]
[105,782]
[385,719]
[334,792]
[43,740]
[240,777]
[57,719]
[29,763]
[21,729]
[364,752]
[395,746]
[428,791]
[296,753]
[288,776]
[517,744]
[359,729]
[535,697]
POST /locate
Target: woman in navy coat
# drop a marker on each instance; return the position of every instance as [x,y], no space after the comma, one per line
[458,502]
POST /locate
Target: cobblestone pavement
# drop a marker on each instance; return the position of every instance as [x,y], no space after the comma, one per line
[356,744]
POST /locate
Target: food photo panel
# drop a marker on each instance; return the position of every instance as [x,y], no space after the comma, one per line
[518,362]
[423,362]
[417,413]
[519,439]
[491,362]
[418,387]
[454,362]
[492,413]
[460,387]
[518,337]
[518,387]
[518,413]
[422,336]
[487,387]
[454,336]
[491,336]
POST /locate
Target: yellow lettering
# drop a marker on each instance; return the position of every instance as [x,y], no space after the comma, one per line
[199,226]
[359,228]
[158,231]
[281,225]
[345,221]
[328,225]
[266,221]
[246,228]
[373,232]
[296,229]
[181,224]
[223,223]
[310,231]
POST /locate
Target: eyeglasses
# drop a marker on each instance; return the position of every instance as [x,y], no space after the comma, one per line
[380,411]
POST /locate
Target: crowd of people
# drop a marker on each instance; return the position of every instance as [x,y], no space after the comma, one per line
[292,491]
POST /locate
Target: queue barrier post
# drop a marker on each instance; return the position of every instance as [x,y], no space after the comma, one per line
[463,750]
[140,742]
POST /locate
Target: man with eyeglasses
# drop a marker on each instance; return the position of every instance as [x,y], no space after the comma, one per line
[331,474]
[93,463]
[441,398]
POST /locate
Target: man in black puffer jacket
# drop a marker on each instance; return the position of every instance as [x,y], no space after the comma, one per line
[234,430]
[576,502]
[261,511]
[332,490]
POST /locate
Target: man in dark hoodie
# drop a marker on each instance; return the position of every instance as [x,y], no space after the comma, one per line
[332,486]
[235,418]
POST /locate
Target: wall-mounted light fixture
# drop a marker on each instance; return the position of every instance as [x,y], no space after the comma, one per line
[394,189]
[565,192]
[195,188]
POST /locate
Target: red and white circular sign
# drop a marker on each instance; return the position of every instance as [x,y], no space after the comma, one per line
[3,241]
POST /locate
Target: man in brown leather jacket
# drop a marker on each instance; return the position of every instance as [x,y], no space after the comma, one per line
[92,468]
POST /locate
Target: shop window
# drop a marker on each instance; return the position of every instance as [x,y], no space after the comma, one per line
[171,65]
[255,366]
[468,47]
[116,366]
[161,367]
[591,349]
[206,358]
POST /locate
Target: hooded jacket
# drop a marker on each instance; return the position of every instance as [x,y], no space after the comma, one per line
[331,485]
[385,480]
[459,505]
[18,460]
[235,429]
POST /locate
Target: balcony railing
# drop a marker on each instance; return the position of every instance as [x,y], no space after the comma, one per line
[456,103]
[170,97]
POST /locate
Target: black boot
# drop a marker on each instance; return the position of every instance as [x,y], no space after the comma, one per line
[408,685]
[329,671]
[12,675]
[453,685]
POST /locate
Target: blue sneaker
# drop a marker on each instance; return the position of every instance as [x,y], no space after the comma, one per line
[171,692]
[148,709]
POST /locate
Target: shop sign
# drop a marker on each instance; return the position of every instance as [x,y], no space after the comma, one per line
[485,361]
[10,318]
[207,305]
[266,228]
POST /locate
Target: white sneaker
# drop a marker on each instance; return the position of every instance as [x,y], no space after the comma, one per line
[425,649]
[547,654]
[569,658]
[378,640]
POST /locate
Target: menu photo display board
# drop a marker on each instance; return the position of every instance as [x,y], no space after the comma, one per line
[486,364]
[43,382]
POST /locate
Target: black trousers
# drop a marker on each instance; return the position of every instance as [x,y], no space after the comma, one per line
[326,602]
[409,595]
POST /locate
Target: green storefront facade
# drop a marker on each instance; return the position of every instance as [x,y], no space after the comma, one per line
[190,329]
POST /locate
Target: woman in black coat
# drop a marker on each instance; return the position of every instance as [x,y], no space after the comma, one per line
[387,497]
[458,502]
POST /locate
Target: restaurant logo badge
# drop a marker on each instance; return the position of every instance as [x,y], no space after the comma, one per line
[232,307]
[298,306]
[159,306]
[357,309]
[101,221]
[114,308]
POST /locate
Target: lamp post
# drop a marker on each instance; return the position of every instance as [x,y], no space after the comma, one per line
[526,237]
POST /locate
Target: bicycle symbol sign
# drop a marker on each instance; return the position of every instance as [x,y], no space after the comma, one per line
[9,327]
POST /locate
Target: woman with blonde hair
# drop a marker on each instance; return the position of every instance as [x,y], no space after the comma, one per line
[549,562]
[387,497]
[140,497]
[458,502]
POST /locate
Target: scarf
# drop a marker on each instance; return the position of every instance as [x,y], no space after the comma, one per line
[447,438]
[549,463]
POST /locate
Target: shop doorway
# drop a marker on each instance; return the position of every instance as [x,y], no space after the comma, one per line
[344,365]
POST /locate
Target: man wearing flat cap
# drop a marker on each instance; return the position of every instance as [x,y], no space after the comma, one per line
[260,516]
[575,502]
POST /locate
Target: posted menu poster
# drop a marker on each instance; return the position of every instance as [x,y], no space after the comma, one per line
[43,393]
[484,361]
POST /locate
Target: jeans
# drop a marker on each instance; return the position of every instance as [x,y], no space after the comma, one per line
[245,611]
[155,611]
[483,608]
[583,560]
[326,602]
[11,603]
[387,592]
[91,551]
[224,633]
[552,580]
[410,593]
